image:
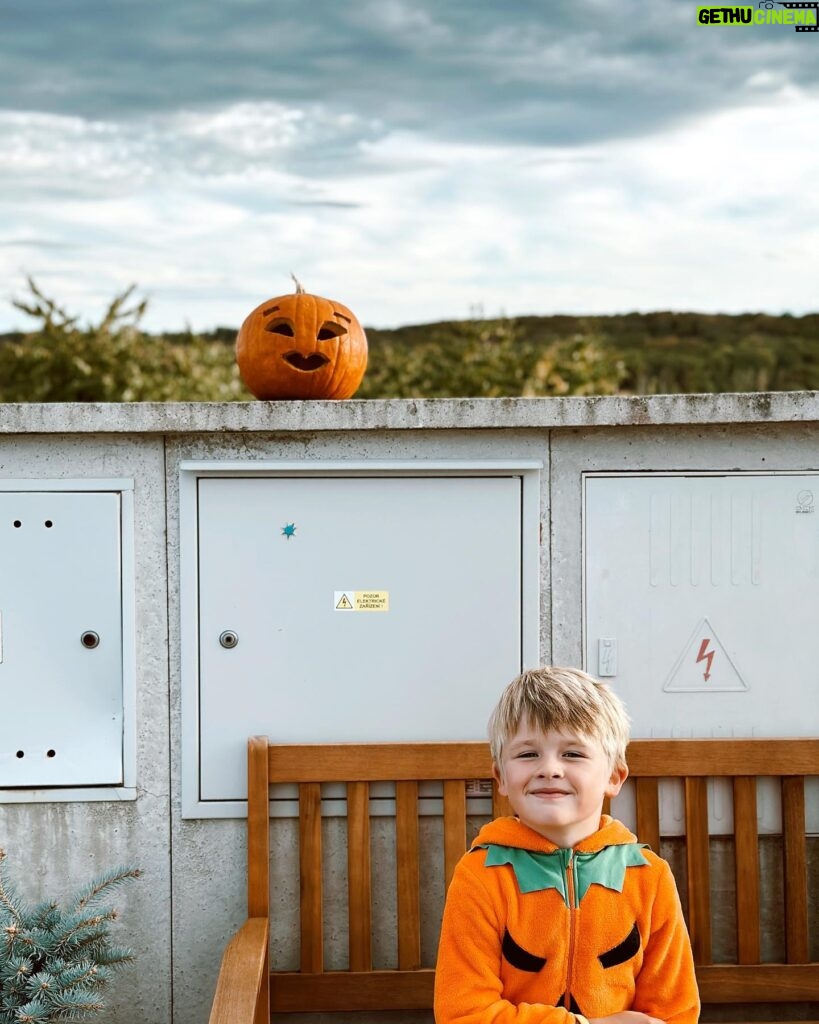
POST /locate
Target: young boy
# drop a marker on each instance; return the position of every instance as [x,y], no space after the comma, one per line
[558,915]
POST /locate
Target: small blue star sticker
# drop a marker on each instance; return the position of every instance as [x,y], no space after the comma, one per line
[289,530]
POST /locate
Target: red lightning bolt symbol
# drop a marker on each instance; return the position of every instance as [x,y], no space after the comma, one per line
[706,655]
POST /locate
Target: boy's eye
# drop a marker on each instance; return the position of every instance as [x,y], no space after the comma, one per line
[574,753]
[527,753]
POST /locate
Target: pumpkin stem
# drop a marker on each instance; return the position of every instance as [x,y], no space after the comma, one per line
[299,288]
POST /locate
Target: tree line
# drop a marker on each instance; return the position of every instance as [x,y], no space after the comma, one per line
[114,360]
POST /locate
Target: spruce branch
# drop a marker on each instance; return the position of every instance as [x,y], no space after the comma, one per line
[45,914]
[77,931]
[8,898]
[68,1005]
[113,879]
[54,962]
[36,1011]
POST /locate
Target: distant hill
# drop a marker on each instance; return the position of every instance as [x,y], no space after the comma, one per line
[634,353]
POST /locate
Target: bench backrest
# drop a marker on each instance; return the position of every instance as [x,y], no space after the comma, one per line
[410,986]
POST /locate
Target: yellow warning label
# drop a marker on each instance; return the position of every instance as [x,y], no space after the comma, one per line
[361,600]
[372,600]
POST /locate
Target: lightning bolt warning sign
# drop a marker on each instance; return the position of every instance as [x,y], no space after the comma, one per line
[706,656]
[704,665]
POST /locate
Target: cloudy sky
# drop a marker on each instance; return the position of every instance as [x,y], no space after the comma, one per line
[413,159]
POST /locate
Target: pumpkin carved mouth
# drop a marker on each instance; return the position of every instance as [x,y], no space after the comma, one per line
[306,364]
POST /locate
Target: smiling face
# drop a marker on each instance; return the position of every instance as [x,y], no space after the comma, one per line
[556,782]
[301,346]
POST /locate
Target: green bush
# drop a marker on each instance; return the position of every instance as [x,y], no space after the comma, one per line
[664,352]
[112,361]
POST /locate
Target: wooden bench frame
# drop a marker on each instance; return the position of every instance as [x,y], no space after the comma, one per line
[247,993]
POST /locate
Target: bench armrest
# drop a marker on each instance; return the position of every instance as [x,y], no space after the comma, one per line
[242,987]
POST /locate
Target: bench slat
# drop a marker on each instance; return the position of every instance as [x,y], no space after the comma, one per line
[379,762]
[412,990]
[454,826]
[758,983]
[358,876]
[408,877]
[350,990]
[648,812]
[699,872]
[312,927]
[258,829]
[796,872]
[746,860]
[501,808]
[723,757]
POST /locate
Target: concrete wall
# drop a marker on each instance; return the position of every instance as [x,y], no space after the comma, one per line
[180,916]
[54,848]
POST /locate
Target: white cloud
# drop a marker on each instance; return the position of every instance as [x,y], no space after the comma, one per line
[396,17]
[209,211]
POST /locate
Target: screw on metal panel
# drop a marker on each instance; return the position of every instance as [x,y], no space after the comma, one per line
[228,639]
[90,639]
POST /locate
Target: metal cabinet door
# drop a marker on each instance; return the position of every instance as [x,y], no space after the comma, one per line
[700,606]
[281,561]
[61,684]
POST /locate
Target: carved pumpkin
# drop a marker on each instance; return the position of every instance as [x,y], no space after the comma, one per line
[301,346]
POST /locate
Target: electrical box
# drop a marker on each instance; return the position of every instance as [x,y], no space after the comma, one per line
[62,637]
[342,606]
[700,598]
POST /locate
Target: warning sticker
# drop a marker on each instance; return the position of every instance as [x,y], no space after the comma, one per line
[361,600]
[704,665]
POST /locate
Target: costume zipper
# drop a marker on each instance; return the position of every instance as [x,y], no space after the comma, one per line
[571,890]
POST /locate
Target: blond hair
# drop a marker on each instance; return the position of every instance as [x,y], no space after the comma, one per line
[563,699]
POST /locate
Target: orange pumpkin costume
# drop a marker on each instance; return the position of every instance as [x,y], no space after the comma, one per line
[533,934]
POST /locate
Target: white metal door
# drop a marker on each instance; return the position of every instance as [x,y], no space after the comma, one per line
[61,677]
[701,596]
[365,608]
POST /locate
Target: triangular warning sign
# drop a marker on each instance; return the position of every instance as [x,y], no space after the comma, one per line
[704,665]
[344,604]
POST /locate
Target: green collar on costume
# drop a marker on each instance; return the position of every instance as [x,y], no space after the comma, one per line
[536,871]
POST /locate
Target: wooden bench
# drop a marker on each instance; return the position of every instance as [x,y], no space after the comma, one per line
[247,993]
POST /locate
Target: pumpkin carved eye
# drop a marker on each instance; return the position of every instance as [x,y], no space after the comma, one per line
[330,330]
[281,327]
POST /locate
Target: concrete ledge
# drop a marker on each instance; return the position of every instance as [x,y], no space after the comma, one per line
[408,414]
